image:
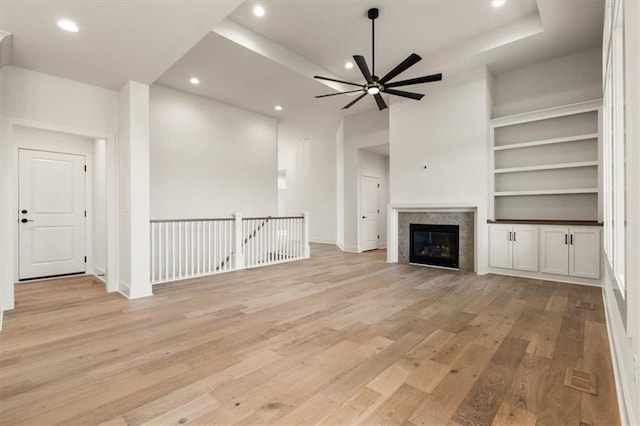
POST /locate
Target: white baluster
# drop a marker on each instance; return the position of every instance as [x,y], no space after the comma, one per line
[173,250]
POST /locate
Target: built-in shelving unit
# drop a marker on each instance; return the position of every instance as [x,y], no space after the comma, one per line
[545,165]
[548,192]
[547,142]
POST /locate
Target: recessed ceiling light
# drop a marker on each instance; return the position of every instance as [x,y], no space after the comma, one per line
[194,80]
[68,25]
[348,65]
[258,10]
[278,108]
[498,3]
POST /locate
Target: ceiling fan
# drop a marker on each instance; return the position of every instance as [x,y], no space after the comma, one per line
[375,85]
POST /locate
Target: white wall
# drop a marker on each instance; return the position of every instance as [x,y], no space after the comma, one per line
[99,154]
[376,165]
[340,186]
[49,103]
[309,160]
[209,159]
[368,128]
[562,81]
[35,96]
[447,131]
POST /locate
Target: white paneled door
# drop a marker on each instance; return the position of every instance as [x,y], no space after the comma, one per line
[368,213]
[51,214]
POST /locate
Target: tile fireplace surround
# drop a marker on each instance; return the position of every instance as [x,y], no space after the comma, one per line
[463,219]
[465,216]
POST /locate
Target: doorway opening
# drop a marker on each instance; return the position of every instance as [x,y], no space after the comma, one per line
[373,197]
[61,205]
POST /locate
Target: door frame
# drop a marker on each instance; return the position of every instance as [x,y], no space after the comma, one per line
[88,207]
[9,161]
[359,227]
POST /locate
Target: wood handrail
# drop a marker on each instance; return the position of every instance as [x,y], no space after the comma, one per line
[220,219]
[223,219]
[273,217]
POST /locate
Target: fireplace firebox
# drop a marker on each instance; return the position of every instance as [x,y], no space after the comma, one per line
[436,245]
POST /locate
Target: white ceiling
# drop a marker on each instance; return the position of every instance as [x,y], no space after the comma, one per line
[241,77]
[256,63]
[379,149]
[118,40]
[329,33]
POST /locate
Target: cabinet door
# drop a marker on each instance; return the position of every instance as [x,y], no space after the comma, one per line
[525,248]
[584,252]
[500,246]
[554,252]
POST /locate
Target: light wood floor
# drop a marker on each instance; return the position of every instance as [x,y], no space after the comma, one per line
[337,339]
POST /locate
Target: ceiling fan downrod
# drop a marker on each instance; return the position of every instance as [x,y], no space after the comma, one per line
[373,13]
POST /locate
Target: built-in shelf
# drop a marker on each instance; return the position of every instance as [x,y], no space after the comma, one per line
[547,167]
[547,192]
[544,165]
[546,142]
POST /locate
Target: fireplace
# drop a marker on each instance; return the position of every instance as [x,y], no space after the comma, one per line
[436,245]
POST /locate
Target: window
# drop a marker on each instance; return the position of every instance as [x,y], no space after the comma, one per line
[614,144]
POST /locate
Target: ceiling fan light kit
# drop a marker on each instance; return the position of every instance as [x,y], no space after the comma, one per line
[375,85]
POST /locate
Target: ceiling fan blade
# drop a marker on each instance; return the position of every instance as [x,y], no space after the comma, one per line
[339,93]
[354,101]
[337,81]
[402,66]
[381,104]
[362,64]
[410,95]
[425,79]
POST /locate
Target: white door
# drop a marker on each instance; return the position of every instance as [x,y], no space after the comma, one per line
[584,252]
[525,248]
[368,213]
[554,250]
[51,214]
[500,246]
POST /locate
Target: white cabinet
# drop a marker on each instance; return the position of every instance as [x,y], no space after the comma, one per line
[500,251]
[513,247]
[570,251]
[554,253]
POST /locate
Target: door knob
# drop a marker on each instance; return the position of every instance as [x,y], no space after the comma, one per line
[364,217]
[24,211]
[25,220]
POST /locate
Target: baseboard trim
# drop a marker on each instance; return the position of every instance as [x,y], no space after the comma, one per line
[625,417]
[545,277]
[124,289]
[350,249]
[321,241]
[100,273]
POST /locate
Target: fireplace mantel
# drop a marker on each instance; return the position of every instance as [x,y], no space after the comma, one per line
[480,240]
